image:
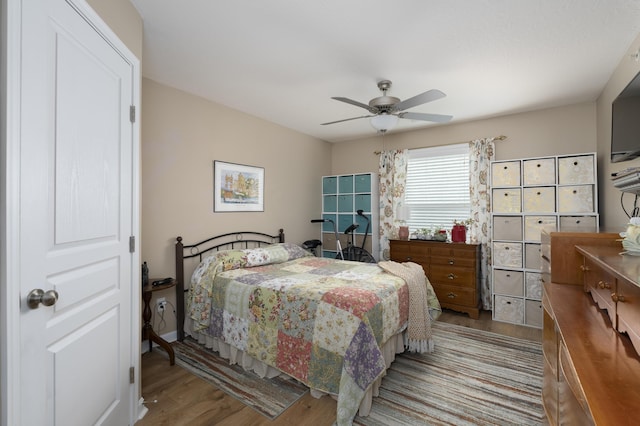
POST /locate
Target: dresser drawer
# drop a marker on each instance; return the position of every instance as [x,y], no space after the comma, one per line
[600,285]
[508,282]
[456,295]
[507,200]
[409,251]
[465,262]
[539,171]
[452,275]
[506,173]
[458,251]
[533,226]
[575,198]
[572,401]
[628,310]
[507,228]
[540,199]
[576,170]
[507,254]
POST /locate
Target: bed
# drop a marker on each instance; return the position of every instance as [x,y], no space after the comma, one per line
[274,308]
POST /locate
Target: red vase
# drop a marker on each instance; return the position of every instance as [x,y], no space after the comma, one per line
[459,233]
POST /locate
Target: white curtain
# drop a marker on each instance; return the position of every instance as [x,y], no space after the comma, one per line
[481,152]
[392,171]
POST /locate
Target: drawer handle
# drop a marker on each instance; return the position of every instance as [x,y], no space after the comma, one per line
[539,221]
[408,258]
[505,167]
[538,165]
[617,297]
[603,284]
[575,192]
[584,268]
[451,277]
[451,262]
[506,194]
[452,295]
[538,193]
[575,163]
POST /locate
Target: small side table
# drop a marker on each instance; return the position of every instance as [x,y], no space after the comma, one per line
[147,329]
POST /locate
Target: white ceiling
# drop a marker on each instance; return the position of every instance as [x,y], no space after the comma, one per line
[283,60]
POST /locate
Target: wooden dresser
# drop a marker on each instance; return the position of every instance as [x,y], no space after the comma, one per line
[591,367]
[452,269]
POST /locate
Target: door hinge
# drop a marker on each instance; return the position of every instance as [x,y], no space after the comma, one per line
[132,244]
[132,113]
[132,375]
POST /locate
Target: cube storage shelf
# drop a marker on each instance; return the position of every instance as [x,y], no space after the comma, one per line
[556,193]
[342,196]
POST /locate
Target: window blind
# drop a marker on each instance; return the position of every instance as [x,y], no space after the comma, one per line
[437,186]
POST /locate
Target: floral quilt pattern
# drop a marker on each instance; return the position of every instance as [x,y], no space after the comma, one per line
[321,321]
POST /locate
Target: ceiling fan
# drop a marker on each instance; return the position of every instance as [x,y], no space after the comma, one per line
[386,110]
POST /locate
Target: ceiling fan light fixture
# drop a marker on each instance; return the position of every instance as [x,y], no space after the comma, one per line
[384,122]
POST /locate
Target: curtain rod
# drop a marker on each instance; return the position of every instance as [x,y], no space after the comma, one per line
[495,138]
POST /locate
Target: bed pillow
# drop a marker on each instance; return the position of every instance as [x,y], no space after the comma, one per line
[274,253]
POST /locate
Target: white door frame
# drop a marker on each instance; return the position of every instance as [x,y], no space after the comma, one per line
[10,297]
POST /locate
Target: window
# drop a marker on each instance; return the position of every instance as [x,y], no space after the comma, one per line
[437,186]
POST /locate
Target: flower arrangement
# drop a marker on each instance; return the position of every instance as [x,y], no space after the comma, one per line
[631,241]
[465,222]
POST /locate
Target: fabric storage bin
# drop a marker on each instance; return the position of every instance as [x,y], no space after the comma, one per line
[533,226]
[508,282]
[579,223]
[532,256]
[577,169]
[539,199]
[508,309]
[507,255]
[507,227]
[539,171]
[533,285]
[577,198]
[506,173]
[363,183]
[329,185]
[345,184]
[345,203]
[506,200]
[330,203]
[533,313]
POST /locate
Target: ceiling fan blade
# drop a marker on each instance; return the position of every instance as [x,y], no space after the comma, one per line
[436,118]
[346,119]
[423,98]
[356,103]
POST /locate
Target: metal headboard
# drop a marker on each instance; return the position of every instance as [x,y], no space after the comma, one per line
[229,241]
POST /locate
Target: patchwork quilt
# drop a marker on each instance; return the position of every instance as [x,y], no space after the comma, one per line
[322,321]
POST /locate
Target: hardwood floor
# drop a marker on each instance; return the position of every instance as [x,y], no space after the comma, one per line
[176,397]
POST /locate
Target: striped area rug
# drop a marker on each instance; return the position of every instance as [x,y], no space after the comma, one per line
[474,377]
[270,397]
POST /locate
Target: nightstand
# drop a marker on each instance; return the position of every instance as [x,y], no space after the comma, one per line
[147,329]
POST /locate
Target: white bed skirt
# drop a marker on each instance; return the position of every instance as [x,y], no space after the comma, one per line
[393,346]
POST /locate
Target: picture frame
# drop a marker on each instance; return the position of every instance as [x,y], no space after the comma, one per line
[237,187]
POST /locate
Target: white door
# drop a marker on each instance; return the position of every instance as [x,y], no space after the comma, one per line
[77,213]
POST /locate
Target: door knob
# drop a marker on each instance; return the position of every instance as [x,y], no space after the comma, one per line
[38,296]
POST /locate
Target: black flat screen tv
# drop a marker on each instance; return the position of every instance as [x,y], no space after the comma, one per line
[625,123]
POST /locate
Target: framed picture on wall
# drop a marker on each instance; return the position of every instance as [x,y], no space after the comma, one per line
[237,187]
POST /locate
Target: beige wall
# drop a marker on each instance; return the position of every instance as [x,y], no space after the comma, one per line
[124,20]
[612,216]
[555,131]
[181,136]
